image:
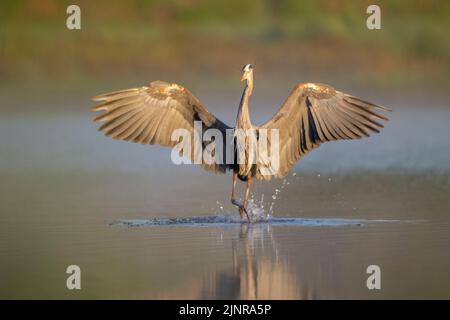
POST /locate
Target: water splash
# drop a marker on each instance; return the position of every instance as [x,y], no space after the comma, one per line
[277,193]
[234,220]
[220,208]
[256,210]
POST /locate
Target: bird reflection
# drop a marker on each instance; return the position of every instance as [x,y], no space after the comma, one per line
[256,272]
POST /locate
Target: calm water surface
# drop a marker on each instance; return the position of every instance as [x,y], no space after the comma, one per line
[64,186]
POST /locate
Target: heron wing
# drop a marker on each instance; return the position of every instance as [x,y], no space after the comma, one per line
[313,114]
[150,114]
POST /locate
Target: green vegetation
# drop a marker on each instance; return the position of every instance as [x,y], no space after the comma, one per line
[314,39]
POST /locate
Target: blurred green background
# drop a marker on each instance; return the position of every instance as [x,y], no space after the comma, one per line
[297,39]
[63,183]
[203,44]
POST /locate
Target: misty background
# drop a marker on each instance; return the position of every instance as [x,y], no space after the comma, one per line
[62,183]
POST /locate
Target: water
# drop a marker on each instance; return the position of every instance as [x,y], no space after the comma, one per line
[140,227]
[232,221]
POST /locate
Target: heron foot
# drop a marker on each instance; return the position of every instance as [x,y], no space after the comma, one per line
[242,211]
[236,203]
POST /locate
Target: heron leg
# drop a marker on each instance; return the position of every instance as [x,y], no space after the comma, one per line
[234,188]
[241,207]
[247,193]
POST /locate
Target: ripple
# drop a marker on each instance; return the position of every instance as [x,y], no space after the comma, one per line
[228,220]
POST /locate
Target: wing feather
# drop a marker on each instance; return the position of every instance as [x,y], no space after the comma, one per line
[315,113]
[149,115]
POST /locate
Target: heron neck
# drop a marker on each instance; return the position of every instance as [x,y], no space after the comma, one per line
[243,119]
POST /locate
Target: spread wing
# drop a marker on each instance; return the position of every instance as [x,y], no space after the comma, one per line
[150,114]
[314,114]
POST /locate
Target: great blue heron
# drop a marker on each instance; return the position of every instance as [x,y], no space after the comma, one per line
[311,115]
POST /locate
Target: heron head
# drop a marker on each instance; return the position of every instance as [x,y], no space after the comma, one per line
[247,72]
